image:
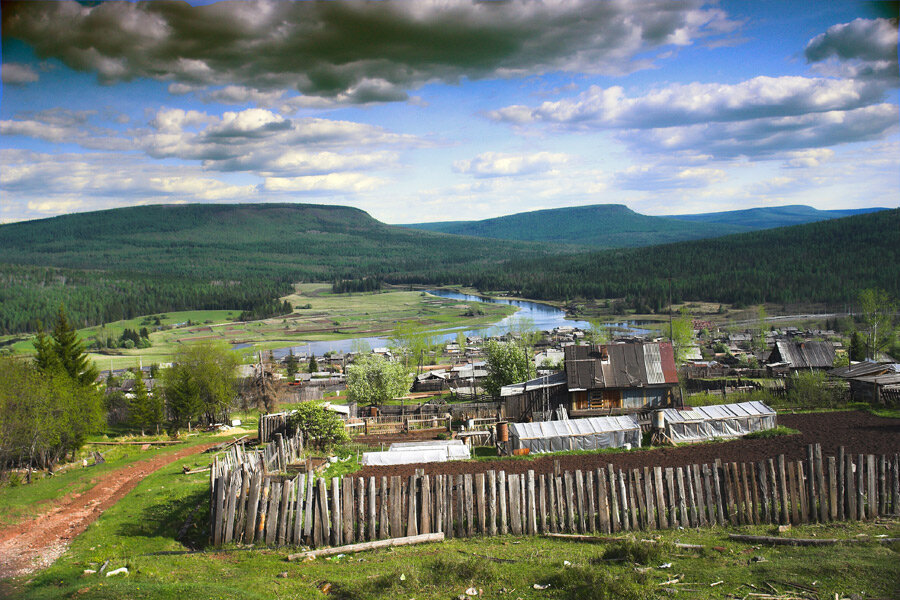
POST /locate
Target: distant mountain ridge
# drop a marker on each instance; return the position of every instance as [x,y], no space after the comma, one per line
[777,216]
[617,226]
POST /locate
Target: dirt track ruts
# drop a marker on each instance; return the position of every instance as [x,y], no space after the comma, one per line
[36,543]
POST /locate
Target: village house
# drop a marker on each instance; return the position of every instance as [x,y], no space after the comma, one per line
[802,355]
[620,377]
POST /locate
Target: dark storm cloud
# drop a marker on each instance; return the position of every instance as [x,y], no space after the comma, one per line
[354,51]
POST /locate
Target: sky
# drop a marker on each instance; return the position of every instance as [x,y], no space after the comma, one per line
[446,110]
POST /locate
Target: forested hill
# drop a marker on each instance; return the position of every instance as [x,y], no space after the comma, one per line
[828,261]
[130,261]
[617,226]
[600,225]
[775,216]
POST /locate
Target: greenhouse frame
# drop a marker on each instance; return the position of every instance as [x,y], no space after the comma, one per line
[704,423]
[593,433]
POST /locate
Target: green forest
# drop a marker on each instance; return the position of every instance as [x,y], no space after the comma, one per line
[122,263]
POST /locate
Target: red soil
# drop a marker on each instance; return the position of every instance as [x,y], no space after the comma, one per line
[37,543]
[858,432]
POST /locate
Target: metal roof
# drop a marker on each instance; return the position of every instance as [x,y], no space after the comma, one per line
[621,365]
[572,427]
[717,411]
[804,355]
[538,383]
[865,369]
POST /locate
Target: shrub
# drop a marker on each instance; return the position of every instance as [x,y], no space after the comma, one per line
[320,428]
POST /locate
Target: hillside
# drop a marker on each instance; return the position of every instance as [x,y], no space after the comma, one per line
[829,261]
[771,217]
[617,226]
[599,225]
[129,261]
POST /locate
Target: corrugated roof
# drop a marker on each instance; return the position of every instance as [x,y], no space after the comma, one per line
[804,355]
[572,427]
[865,369]
[538,383]
[717,411]
[616,366]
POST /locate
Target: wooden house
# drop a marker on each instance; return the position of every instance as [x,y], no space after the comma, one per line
[620,377]
[802,355]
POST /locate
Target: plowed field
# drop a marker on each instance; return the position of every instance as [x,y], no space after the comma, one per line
[859,432]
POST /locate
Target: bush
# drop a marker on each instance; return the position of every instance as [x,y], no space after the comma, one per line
[321,428]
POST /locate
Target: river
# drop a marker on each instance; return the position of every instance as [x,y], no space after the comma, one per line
[543,317]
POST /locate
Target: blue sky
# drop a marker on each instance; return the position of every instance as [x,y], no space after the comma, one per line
[432,111]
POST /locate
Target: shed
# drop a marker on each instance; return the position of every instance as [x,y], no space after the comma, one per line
[718,421]
[593,433]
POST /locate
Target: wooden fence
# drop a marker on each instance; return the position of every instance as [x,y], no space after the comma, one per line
[252,508]
[388,425]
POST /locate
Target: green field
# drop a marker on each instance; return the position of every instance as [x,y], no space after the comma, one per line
[139,533]
[329,317]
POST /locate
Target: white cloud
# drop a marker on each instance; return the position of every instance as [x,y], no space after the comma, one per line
[765,138]
[332,182]
[686,104]
[658,177]
[316,47]
[17,74]
[498,164]
[39,184]
[808,158]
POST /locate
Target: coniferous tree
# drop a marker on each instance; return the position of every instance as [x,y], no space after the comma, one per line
[313,365]
[291,364]
[139,408]
[69,351]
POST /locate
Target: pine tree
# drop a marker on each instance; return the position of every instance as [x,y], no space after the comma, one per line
[69,351]
[313,365]
[291,364]
[139,404]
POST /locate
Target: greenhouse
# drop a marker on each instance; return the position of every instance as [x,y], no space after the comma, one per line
[407,453]
[719,421]
[594,433]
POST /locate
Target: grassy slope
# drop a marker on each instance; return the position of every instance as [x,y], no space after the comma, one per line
[601,225]
[140,530]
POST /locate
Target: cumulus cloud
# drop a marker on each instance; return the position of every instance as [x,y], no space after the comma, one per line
[269,144]
[765,138]
[17,74]
[808,158]
[54,183]
[498,164]
[863,49]
[685,104]
[666,177]
[865,39]
[355,51]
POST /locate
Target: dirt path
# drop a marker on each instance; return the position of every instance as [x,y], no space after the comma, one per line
[35,544]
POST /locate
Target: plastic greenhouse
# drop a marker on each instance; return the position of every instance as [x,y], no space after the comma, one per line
[719,421]
[575,434]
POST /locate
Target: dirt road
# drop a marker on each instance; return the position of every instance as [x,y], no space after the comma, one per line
[35,544]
